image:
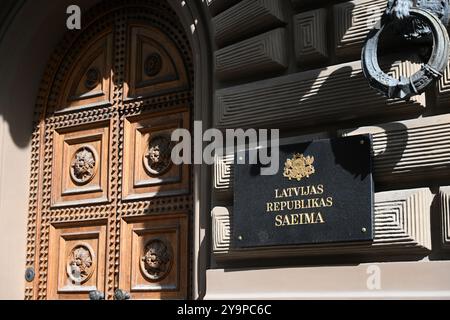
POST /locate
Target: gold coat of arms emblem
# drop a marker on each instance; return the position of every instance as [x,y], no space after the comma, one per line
[299,167]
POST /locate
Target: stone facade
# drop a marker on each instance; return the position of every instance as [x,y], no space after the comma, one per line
[287,64]
[319,91]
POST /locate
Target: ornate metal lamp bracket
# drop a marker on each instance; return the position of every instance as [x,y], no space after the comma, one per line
[427,19]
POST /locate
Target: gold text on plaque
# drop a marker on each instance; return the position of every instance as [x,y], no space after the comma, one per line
[299,167]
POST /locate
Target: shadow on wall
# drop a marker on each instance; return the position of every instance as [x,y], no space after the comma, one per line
[395,147]
[439,251]
[29,38]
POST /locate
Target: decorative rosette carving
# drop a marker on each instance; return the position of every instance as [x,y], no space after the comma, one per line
[157,159]
[153,64]
[84,165]
[156,260]
[80,264]
[93,78]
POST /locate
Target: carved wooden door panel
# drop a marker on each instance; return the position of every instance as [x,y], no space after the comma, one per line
[108,208]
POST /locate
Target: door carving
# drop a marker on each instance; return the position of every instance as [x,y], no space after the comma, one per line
[108,208]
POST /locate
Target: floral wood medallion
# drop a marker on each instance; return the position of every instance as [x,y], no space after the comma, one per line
[93,78]
[153,64]
[80,264]
[157,159]
[84,165]
[156,261]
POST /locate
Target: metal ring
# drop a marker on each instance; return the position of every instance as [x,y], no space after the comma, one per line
[405,88]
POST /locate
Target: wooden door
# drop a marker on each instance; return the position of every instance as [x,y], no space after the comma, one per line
[108,208]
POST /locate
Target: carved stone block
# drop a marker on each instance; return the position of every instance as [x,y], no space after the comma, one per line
[352,22]
[299,4]
[223,173]
[148,168]
[221,229]
[246,19]
[217,6]
[443,89]
[411,150]
[444,194]
[401,227]
[402,219]
[258,55]
[314,97]
[310,36]
[81,164]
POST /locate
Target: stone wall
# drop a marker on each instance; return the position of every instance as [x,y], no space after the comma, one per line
[295,65]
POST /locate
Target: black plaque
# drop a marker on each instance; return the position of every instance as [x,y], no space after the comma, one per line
[323,193]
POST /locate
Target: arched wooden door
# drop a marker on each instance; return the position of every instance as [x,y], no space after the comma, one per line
[108,208]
